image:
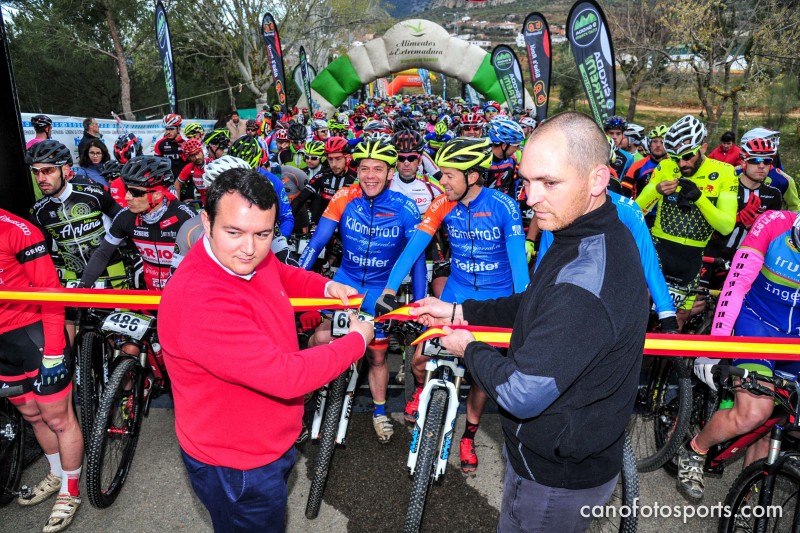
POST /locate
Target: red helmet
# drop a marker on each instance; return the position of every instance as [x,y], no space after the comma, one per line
[759,148]
[191,147]
[336,145]
[319,115]
[473,119]
[281,135]
[172,121]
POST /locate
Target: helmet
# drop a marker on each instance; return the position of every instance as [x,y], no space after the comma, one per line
[319,115]
[762,133]
[281,125]
[376,150]
[41,121]
[318,124]
[405,123]
[440,128]
[337,126]
[342,118]
[281,135]
[378,136]
[612,156]
[473,119]
[658,131]
[191,146]
[147,171]
[634,132]
[505,130]
[250,124]
[315,148]
[408,141]
[246,147]
[218,166]
[796,232]
[219,137]
[172,121]
[127,146]
[276,108]
[111,169]
[376,126]
[527,122]
[759,148]
[192,129]
[49,151]
[686,134]
[336,145]
[297,132]
[492,104]
[465,154]
[615,123]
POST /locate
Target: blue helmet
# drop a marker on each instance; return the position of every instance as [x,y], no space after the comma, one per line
[505,130]
[615,123]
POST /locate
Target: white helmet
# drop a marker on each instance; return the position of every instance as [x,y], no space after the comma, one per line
[686,134]
[218,166]
[527,122]
[761,133]
[635,133]
[319,124]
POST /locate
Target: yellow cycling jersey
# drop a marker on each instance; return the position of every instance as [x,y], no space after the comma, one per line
[693,225]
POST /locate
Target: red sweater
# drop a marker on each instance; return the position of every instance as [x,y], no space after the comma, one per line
[732,156]
[238,375]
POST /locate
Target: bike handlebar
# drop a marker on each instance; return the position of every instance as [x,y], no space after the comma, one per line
[6,392]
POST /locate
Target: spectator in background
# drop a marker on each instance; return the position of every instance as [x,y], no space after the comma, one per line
[91,161]
[236,126]
[42,125]
[91,130]
[727,151]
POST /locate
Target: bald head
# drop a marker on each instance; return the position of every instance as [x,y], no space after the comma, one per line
[583,140]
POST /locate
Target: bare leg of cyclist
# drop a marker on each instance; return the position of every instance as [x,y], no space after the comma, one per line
[63,424]
[378,381]
[437,285]
[44,435]
[758,450]
[69,325]
[682,316]
[322,335]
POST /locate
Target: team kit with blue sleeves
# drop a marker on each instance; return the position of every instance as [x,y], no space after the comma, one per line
[285,216]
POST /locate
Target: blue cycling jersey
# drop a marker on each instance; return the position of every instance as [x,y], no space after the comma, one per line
[486,241]
[631,215]
[285,216]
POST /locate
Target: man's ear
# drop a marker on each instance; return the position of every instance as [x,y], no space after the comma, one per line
[599,178]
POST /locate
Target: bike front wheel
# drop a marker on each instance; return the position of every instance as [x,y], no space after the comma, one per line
[92,367]
[115,434]
[12,439]
[623,500]
[327,444]
[742,499]
[426,460]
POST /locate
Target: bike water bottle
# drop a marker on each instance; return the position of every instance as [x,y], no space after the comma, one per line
[159,357]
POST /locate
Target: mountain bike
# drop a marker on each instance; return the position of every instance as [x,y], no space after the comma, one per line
[764,497]
[12,446]
[134,381]
[332,416]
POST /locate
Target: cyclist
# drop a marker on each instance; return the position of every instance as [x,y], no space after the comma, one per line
[217,142]
[472,125]
[315,158]
[32,354]
[490,110]
[758,300]
[776,177]
[43,126]
[528,125]
[294,155]
[320,129]
[151,221]
[506,137]
[638,174]
[169,145]
[615,127]
[436,138]
[322,187]
[408,180]
[194,130]
[634,135]
[375,223]
[686,218]
[126,147]
[487,255]
[191,177]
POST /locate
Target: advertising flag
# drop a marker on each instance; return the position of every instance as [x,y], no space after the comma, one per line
[506,67]
[269,31]
[305,76]
[425,78]
[537,43]
[165,50]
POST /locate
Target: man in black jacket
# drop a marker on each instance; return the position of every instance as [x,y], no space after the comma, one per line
[566,388]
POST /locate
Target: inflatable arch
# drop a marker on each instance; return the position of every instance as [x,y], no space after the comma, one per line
[414,43]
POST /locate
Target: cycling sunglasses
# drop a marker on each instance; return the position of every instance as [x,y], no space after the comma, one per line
[686,156]
[409,158]
[759,160]
[137,193]
[312,158]
[45,171]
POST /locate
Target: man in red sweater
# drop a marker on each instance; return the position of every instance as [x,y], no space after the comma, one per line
[227,332]
[727,151]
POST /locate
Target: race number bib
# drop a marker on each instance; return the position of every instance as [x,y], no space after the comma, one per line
[131,325]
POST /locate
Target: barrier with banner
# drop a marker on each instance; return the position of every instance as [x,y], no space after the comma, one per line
[69,131]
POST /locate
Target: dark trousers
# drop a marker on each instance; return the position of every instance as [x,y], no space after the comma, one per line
[243,500]
[530,507]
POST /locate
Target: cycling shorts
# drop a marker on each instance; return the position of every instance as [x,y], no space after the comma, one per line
[21,362]
[456,293]
[749,324]
[682,263]
[371,295]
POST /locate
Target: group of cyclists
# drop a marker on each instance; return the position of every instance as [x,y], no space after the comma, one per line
[422,190]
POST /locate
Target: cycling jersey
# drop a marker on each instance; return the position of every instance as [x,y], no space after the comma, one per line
[24,262]
[502,175]
[428,167]
[784,183]
[373,232]
[622,162]
[638,176]
[76,220]
[422,189]
[172,150]
[285,220]
[292,158]
[321,189]
[433,142]
[191,173]
[630,215]
[692,225]
[486,241]
[118,191]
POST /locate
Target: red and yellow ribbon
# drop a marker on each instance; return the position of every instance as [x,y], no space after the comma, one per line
[401,314]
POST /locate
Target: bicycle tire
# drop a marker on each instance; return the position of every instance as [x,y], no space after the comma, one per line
[423,474]
[410,383]
[662,413]
[114,436]
[11,450]
[624,496]
[705,403]
[746,487]
[327,444]
[91,382]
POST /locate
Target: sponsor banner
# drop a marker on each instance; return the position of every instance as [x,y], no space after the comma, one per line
[469,94]
[69,131]
[509,74]
[165,51]
[305,76]
[425,78]
[444,86]
[590,40]
[269,31]
[537,42]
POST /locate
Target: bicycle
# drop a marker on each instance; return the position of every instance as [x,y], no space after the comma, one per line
[332,417]
[774,481]
[12,447]
[134,381]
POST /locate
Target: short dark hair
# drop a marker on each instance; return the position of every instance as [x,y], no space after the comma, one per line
[728,137]
[234,112]
[585,141]
[249,183]
[84,160]
[87,122]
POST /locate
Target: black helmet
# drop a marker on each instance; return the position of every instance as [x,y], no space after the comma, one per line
[405,123]
[127,146]
[41,121]
[111,169]
[297,132]
[408,141]
[49,151]
[147,171]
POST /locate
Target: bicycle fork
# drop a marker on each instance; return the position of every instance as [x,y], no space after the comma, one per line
[347,405]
